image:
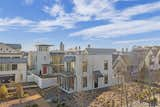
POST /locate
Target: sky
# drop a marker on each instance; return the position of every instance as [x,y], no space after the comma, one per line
[100,23]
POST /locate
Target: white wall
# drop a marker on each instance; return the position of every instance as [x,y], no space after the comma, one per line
[95,62]
[42,82]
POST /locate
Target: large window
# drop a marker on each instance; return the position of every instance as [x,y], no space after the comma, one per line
[84,66]
[106,79]
[5,67]
[14,66]
[84,82]
[70,66]
[106,65]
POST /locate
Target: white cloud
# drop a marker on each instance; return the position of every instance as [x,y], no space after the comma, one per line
[137,41]
[29,2]
[89,10]
[13,23]
[140,9]
[121,28]
[65,22]
[86,10]
[55,10]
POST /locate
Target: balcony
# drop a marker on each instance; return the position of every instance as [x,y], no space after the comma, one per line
[66,74]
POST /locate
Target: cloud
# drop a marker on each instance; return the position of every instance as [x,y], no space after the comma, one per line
[86,10]
[55,10]
[29,2]
[14,23]
[139,9]
[119,29]
[137,41]
[65,22]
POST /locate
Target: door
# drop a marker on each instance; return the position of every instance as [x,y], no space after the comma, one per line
[96,83]
[44,69]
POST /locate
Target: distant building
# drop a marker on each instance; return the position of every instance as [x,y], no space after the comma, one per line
[39,60]
[139,59]
[13,65]
[86,70]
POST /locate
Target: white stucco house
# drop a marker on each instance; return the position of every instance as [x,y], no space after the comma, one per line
[43,64]
[13,65]
[86,70]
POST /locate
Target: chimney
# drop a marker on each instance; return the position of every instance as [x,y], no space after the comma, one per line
[61,46]
[89,46]
[126,49]
[76,48]
[122,50]
[79,48]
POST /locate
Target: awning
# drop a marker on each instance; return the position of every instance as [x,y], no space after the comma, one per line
[69,58]
[97,73]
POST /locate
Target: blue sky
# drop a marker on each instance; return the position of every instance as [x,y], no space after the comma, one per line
[101,23]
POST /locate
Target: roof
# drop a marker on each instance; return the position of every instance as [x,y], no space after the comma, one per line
[57,53]
[13,46]
[43,45]
[133,58]
[155,52]
[12,60]
[114,57]
[100,51]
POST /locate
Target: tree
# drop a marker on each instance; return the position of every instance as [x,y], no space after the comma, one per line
[3,92]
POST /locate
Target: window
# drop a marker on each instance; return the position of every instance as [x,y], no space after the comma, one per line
[0,67]
[106,79]
[5,67]
[84,82]
[14,66]
[70,66]
[16,57]
[84,66]
[44,57]
[105,65]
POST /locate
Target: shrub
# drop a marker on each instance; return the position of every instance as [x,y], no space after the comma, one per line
[35,105]
[3,92]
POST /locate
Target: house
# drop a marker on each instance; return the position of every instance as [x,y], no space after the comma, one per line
[13,65]
[44,64]
[132,64]
[39,60]
[86,70]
